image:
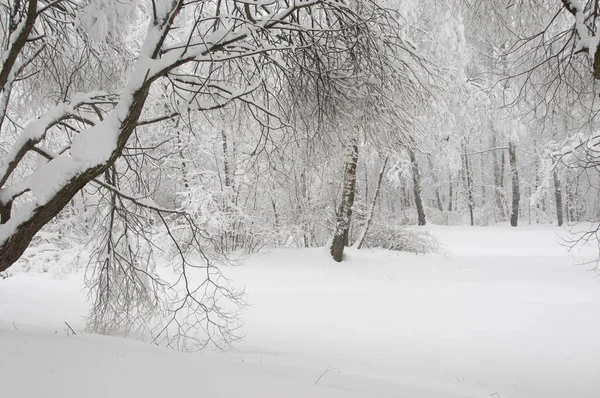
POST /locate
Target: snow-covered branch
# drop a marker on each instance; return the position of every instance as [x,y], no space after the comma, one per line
[98,146]
[36,130]
[588,38]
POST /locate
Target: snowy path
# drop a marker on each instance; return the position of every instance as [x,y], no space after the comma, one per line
[506,313]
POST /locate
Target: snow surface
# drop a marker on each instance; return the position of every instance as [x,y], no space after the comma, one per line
[505,313]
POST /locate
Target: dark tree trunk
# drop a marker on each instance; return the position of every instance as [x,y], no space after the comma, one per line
[450,198]
[469,184]
[558,197]
[417,187]
[570,199]
[276,219]
[516,196]
[344,214]
[5,211]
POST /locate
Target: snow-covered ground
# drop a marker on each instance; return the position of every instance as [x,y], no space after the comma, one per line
[504,313]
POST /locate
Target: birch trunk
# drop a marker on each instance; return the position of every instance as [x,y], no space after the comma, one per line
[344,214]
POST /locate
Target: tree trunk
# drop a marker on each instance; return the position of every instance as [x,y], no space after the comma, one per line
[5,211]
[344,214]
[450,198]
[405,200]
[570,199]
[276,225]
[469,184]
[303,197]
[417,187]
[226,168]
[498,181]
[361,239]
[436,183]
[482,184]
[537,187]
[516,196]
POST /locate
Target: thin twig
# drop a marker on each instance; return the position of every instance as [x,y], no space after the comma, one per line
[70,328]
[329,369]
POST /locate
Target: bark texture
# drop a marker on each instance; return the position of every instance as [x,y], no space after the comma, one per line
[498,180]
[558,198]
[344,214]
[469,184]
[416,174]
[516,195]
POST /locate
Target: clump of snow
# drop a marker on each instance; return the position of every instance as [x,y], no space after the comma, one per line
[95,145]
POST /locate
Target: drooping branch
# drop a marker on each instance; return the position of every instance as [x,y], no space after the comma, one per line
[92,152]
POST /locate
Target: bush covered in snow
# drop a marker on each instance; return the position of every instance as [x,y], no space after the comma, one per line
[401,238]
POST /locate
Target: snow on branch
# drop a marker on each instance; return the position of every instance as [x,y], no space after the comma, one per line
[97,147]
[588,38]
[36,130]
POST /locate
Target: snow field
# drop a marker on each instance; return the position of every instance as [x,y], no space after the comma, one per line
[504,313]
